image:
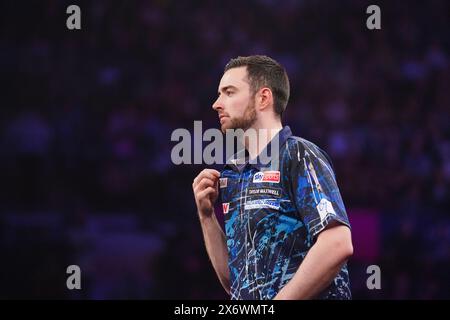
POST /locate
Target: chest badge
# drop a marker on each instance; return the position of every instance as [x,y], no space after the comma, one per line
[223,182]
[225,207]
[267,176]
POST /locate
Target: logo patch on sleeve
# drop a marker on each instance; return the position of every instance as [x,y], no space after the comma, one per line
[267,176]
[324,208]
[223,182]
[225,207]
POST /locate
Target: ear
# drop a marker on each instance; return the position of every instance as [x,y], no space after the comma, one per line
[265,98]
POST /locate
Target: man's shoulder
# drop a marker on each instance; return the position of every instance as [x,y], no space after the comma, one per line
[299,148]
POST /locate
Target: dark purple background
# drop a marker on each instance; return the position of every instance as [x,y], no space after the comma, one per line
[86,118]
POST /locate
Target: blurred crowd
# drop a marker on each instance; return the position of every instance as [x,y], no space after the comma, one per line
[87,116]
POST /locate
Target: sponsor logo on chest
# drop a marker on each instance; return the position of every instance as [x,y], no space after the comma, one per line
[264,191]
[267,176]
[225,207]
[262,203]
[223,182]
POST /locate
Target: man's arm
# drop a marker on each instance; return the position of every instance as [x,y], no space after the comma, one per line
[320,207]
[216,247]
[320,266]
[205,187]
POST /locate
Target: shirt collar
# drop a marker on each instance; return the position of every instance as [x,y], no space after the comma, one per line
[240,159]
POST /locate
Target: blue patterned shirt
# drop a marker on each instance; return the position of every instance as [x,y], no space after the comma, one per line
[273,214]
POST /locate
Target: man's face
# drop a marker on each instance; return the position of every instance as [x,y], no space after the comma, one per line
[235,104]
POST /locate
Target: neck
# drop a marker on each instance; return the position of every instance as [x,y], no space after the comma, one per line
[264,134]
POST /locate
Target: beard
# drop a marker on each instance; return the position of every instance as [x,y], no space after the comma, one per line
[247,119]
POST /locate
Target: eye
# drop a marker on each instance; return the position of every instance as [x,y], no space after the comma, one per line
[229,92]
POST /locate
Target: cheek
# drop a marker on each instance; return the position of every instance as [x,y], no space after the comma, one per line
[238,106]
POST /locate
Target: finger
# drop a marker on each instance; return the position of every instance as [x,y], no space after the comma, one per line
[214,172]
[196,180]
[206,182]
[206,192]
[209,173]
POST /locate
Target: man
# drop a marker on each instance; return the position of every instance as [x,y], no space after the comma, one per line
[287,232]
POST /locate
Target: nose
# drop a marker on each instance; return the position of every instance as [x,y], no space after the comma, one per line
[217,105]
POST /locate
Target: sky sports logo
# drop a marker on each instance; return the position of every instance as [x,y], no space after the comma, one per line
[267,176]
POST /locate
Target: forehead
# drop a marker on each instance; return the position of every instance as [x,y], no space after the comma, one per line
[236,77]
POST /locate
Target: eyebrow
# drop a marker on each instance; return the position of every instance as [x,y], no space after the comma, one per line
[226,88]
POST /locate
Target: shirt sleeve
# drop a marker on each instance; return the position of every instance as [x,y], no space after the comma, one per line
[315,191]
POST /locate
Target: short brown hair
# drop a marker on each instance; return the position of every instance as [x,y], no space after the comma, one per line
[265,71]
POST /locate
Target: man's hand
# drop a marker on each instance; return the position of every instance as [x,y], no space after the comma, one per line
[206,191]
